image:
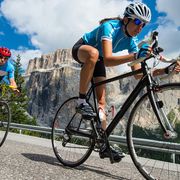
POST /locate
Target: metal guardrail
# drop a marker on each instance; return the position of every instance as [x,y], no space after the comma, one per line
[160,146]
[41,129]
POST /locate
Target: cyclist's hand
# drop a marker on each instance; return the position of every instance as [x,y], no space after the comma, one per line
[177,67]
[144,52]
[15,90]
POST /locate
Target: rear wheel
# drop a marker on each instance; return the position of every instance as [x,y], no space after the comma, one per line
[156,156]
[5,118]
[72,136]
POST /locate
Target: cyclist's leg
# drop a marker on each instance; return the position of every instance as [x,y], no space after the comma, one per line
[100,93]
[87,56]
[100,75]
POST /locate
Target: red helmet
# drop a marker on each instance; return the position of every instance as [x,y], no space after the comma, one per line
[5,52]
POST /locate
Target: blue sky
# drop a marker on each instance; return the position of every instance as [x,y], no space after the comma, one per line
[34,27]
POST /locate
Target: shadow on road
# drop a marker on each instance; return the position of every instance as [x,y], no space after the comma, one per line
[42,158]
[84,167]
[101,171]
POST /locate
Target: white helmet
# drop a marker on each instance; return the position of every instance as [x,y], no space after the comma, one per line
[138,10]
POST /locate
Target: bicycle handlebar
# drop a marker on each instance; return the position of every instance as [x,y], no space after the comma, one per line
[155,52]
[137,61]
[13,87]
[160,58]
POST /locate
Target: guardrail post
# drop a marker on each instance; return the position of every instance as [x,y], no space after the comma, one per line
[173,157]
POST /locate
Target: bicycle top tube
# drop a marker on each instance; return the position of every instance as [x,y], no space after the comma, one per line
[117,77]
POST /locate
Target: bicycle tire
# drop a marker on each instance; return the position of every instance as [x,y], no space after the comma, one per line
[155,163]
[5,119]
[71,148]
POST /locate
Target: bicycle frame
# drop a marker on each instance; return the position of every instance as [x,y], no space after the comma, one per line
[145,81]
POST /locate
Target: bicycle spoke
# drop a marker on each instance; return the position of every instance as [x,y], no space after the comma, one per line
[71,139]
[4,121]
[161,157]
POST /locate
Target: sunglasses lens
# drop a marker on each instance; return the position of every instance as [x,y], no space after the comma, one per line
[137,21]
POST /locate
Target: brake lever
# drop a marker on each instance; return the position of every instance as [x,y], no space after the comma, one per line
[157,50]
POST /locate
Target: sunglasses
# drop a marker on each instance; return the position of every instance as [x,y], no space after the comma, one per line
[139,22]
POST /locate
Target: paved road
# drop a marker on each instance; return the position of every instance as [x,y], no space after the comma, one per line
[31,158]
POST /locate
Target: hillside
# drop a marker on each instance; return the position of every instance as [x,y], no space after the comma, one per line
[54,77]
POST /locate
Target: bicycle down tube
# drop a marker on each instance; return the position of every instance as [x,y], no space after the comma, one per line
[146,81]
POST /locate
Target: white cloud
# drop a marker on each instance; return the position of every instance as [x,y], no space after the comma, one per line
[169,35]
[171,8]
[169,38]
[58,23]
[26,55]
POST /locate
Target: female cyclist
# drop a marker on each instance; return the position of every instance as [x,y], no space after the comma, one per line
[95,51]
[6,68]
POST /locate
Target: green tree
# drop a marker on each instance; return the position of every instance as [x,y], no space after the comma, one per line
[18,103]
[18,72]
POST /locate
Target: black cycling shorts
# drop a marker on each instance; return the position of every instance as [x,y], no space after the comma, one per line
[100,70]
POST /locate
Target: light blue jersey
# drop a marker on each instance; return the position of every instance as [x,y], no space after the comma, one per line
[112,31]
[7,70]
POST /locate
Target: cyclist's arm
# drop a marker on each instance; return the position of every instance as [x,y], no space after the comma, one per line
[109,59]
[13,83]
[157,72]
[136,67]
[13,86]
[162,71]
[177,67]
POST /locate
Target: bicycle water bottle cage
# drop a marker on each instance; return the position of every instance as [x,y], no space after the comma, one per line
[159,104]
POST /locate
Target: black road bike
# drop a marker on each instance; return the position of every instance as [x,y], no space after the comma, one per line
[153,127]
[5,118]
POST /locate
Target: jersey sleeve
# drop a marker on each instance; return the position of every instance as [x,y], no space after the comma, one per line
[133,45]
[10,71]
[106,30]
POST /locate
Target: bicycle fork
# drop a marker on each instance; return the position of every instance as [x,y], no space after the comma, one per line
[157,106]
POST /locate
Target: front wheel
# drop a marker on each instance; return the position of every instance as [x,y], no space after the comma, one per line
[5,118]
[156,156]
[72,136]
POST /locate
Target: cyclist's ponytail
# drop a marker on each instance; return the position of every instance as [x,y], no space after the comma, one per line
[107,19]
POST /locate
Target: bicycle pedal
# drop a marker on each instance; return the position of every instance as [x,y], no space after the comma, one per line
[115,161]
[88,117]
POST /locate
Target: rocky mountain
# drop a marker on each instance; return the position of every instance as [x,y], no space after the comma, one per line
[54,77]
[51,79]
